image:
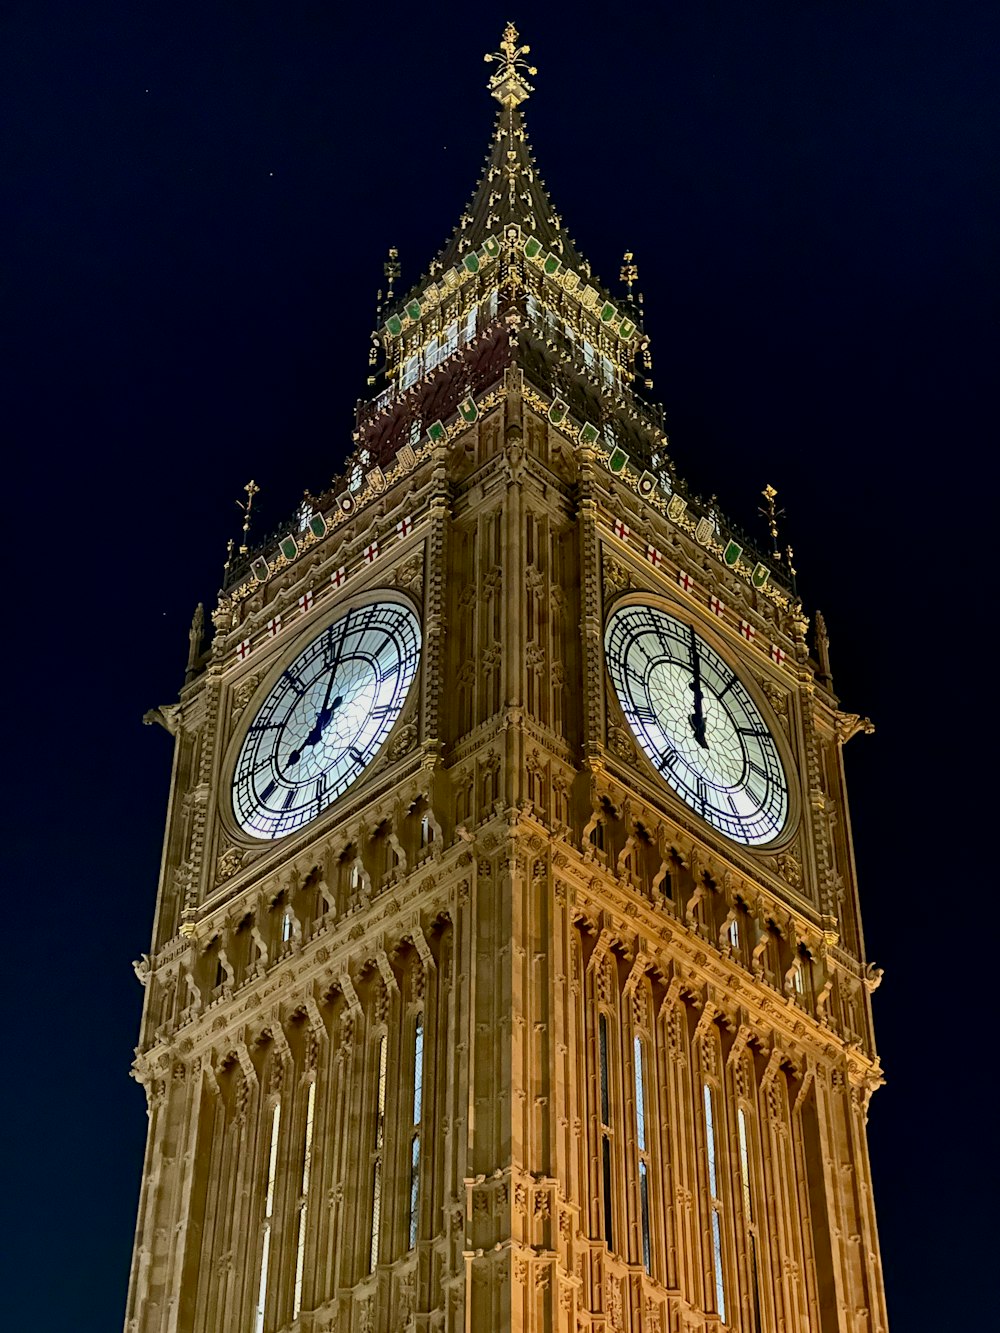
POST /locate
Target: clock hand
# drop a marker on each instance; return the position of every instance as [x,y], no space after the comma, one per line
[321,724]
[698,716]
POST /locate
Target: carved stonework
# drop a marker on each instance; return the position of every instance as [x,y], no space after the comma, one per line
[404,741]
[616,577]
[243,694]
[620,741]
[229,863]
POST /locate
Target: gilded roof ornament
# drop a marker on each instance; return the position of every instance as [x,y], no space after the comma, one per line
[508,85]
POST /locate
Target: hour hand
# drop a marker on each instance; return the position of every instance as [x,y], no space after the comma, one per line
[698,716]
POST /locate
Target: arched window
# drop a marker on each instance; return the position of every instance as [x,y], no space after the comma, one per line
[749,1219]
[714,1202]
[380,1075]
[265,1252]
[642,1146]
[300,1249]
[418,1082]
[605,1092]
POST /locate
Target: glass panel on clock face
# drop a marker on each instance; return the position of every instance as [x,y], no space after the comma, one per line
[698,724]
[326,718]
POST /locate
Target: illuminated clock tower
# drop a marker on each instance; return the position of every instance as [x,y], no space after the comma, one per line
[507,969]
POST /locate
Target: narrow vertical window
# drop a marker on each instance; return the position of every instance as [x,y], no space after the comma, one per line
[300,1249]
[379,1141]
[426,831]
[715,1204]
[418,1082]
[602,1032]
[265,1253]
[286,925]
[734,934]
[750,1219]
[640,1136]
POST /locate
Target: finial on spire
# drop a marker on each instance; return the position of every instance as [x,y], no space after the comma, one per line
[251,489]
[508,85]
[772,513]
[629,274]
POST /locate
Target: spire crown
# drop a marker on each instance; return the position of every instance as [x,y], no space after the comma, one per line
[508,85]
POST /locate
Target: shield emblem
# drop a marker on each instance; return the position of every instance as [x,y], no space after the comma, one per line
[289,547]
[626,329]
[405,456]
[436,432]
[532,247]
[317,525]
[468,410]
[760,575]
[376,478]
[608,313]
[571,280]
[588,433]
[551,265]
[703,531]
[676,508]
[617,460]
[394,326]
[491,247]
[260,569]
[413,310]
[647,484]
[557,412]
[732,553]
[471,261]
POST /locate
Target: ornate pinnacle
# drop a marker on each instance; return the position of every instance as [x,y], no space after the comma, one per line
[772,513]
[629,272]
[251,489]
[508,85]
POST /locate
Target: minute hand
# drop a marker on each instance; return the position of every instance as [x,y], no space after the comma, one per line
[698,716]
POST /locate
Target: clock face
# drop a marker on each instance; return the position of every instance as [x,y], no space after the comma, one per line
[325,719]
[696,721]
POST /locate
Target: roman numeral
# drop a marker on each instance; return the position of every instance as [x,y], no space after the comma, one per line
[667,760]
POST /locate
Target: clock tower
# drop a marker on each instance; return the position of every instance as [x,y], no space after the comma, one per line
[507,968]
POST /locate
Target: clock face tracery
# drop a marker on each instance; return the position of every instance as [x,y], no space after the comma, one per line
[696,721]
[325,719]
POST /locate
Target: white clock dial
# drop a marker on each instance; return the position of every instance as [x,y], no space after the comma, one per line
[325,719]
[697,722]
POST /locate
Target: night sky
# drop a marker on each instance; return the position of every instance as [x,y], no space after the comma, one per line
[196,202]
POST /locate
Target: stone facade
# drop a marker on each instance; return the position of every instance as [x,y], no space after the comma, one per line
[511,890]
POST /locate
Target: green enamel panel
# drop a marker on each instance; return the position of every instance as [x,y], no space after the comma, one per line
[759,576]
[732,552]
[492,246]
[289,548]
[626,329]
[413,310]
[317,525]
[557,412]
[394,326]
[471,261]
[436,432]
[608,313]
[617,460]
[588,433]
[551,264]
[260,569]
[468,410]
[532,247]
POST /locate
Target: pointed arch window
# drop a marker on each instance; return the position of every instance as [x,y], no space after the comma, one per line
[300,1248]
[265,1252]
[749,1219]
[418,1084]
[605,1091]
[714,1202]
[381,1070]
[642,1146]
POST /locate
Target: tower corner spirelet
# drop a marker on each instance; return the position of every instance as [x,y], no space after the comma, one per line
[509,85]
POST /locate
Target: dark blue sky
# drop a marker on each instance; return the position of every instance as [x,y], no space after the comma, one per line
[196,203]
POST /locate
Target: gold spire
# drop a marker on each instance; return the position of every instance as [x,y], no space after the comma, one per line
[508,85]
[629,274]
[251,489]
[772,513]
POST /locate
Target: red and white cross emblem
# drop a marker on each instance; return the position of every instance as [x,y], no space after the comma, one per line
[306,600]
[338,576]
[405,526]
[243,650]
[653,555]
[715,606]
[778,654]
[685,580]
[747,630]
[371,552]
[620,529]
[274,626]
